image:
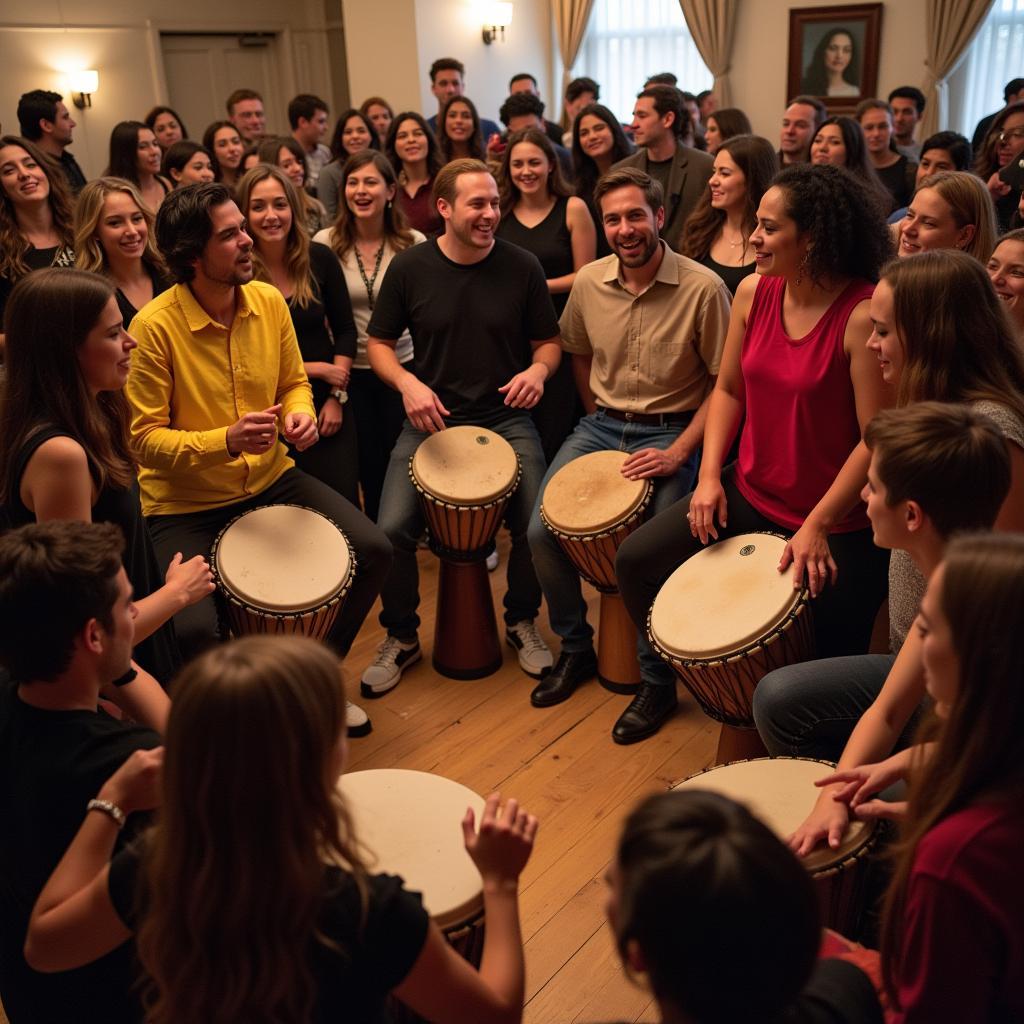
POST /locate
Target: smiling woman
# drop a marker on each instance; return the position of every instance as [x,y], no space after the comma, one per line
[135,156]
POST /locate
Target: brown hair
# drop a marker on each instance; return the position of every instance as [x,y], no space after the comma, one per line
[475,141]
[986,161]
[623,177]
[227,937]
[446,182]
[958,344]
[49,315]
[507,190]
[296,257]
[89,254]
[970,203]
[977,756]
[13,244]
[758,162]
[934,453]
[396,230]
[731,121]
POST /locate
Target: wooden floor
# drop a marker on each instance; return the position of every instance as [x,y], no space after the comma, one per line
[562,764]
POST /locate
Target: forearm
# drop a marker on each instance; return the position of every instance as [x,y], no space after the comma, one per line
[89,853]
[502,966]
[156,609]
[143,699]
[182,451]
[689,439]
[384,362]
[581,374]
[549,355]
[723,413]
[561,285]
[844,493]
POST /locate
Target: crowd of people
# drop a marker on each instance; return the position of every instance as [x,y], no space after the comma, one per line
[821,338]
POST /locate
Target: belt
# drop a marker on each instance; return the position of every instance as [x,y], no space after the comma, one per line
[659,419]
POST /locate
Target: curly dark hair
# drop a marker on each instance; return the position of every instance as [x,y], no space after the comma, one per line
[842,219]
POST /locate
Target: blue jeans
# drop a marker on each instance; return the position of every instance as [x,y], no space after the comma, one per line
[401,519]
[558,576]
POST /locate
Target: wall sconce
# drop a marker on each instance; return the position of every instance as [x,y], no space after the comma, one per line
[82,85]
[497,17]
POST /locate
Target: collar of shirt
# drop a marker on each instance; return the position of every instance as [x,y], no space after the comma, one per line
[197,317]
[667,272]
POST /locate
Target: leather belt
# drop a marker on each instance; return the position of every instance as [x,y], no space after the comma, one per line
[659,419]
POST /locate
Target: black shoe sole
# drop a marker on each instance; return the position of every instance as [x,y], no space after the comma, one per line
[638,737]
[355,731]
[370,694]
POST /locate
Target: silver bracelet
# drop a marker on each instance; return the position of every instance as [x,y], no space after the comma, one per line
[111,810]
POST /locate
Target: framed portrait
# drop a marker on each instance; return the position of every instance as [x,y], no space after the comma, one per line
[833,53]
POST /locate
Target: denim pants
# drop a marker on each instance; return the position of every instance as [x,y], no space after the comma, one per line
[559,578]
[401,519]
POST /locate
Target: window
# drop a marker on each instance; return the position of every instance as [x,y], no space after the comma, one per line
[627,40]
[994,57]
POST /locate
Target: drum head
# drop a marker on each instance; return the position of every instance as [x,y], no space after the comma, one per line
[724,598]
[465,465]
[590,494]
[781,792]
[411,822]
[283,558]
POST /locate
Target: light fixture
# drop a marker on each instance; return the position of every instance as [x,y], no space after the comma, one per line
[82,85]
[497,17]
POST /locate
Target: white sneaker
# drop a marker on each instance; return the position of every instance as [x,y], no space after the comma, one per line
[393,656]
[534,655]
[357,720]
[492,560]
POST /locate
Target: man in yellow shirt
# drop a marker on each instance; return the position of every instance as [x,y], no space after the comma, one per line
[217,373]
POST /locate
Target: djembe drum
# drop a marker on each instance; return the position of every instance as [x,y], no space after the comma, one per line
[592,508]
[281,569]
[464,477]
[725,619]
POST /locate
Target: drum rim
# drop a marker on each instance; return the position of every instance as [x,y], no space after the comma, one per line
[865,842]
[592,533]
[770,635]
[230,594]
[446,500]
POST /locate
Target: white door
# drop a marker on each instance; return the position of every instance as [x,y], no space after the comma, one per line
[203,70]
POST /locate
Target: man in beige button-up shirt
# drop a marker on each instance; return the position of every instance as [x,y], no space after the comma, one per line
[645,328]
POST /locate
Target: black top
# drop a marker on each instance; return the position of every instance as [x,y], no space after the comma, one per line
[158,654]
[899,179]
[128,311]
[471,324]
[36,259]
[837,993]
[378,952]
[549,241]
[730,275]
[52,763]
[74,173]
[330,301]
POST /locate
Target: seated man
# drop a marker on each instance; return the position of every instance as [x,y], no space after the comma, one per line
[924,459]
[646,328]
[217,373]
[69,623]
[485,341]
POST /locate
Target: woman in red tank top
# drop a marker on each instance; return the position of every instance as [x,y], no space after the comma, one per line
[797,366]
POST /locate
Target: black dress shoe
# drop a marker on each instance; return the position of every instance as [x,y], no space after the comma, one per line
[571,669]
[651,707]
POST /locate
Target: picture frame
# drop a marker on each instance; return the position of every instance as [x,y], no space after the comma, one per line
[833,53]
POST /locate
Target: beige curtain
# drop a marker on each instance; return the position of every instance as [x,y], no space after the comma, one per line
[949,25]
[712,23]
[571,17]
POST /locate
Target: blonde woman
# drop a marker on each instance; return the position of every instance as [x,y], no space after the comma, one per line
[950,210]
[114,237]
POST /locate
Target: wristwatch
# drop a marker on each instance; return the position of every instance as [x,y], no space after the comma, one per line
[340,395]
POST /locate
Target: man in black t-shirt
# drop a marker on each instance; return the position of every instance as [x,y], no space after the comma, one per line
[69,623]
[485,340]
[45,120]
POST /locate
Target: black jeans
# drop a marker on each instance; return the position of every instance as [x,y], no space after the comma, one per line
[844,614]
[379,415]
[193,533]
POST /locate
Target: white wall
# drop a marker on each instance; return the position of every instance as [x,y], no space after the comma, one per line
[758,73]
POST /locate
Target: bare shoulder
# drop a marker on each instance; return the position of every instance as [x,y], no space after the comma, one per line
[60,454]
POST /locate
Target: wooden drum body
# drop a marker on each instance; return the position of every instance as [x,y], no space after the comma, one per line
[781,792]
[591,508]
[464,477]
[281,569]
[410,821]
[723,620]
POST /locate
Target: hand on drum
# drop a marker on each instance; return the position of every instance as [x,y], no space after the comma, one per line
[650,462]
[828,822]
[861,784]
[422,406]
[525,389]
[191,580]
[705,502]
[300,430]
[135,786]
[502,846]
[808,551]
[329,421]
[255,433]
